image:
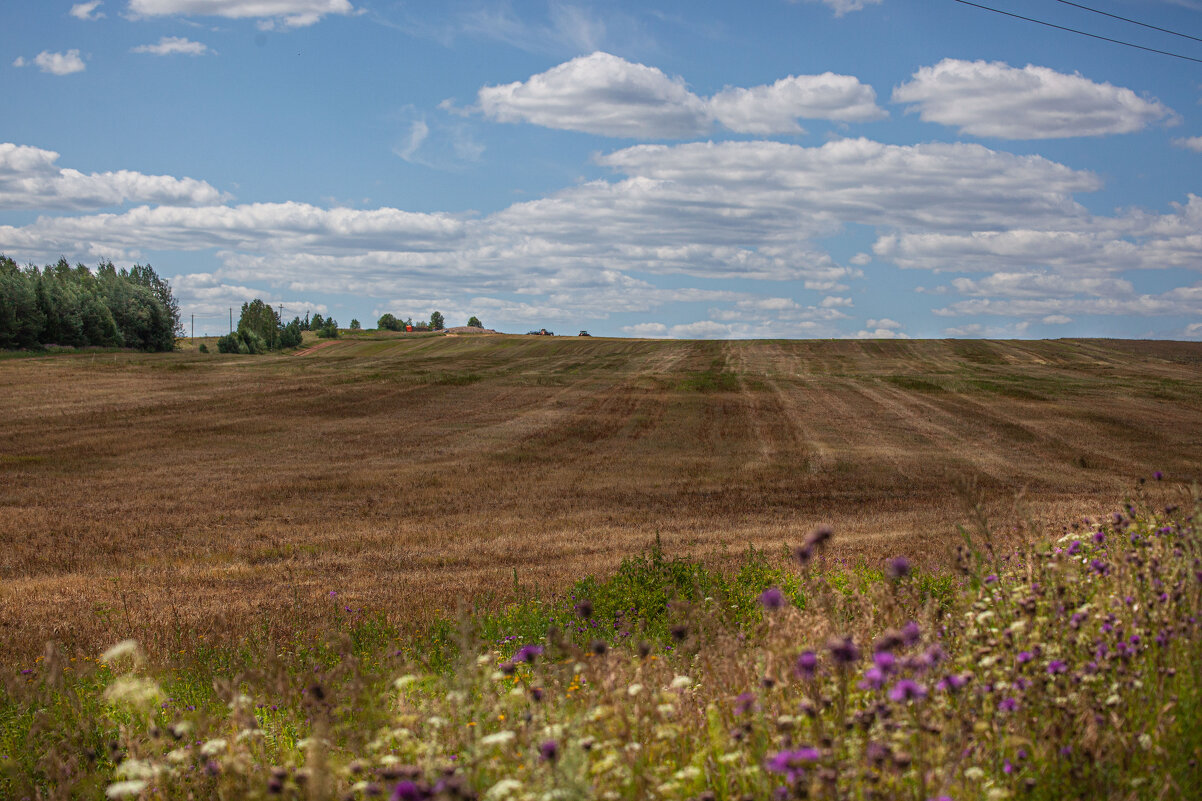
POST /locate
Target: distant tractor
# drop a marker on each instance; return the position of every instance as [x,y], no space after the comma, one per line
[584,334]
[542,332]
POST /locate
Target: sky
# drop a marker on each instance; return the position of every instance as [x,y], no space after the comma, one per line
[687,169]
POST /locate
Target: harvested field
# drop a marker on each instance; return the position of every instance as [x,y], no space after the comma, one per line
[187,495]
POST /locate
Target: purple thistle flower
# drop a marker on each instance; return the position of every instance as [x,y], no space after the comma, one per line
[1100,567]
[911,633]
[807,664]
[844,651]
[819,537]
[549,751]
[792,763]
[951,682]
[528,653]
[1158,475]
[1100,536]
[991,578]
[1056,666]
[1074,547]
[772,598]
[885,661]
[933,656]
[907,690]
[898,568]
[744,704]
[1008,704]
[1024,657]
[407,791]
[874,679]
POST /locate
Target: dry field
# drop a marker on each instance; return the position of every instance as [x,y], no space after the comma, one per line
[181,496]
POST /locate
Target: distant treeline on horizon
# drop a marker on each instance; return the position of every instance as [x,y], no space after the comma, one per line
[75,307]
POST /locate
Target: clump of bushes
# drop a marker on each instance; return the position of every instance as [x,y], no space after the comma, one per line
[1067,670]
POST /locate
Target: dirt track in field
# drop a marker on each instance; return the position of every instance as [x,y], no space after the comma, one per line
[147,494]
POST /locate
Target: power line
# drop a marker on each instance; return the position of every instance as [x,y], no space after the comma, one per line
[1081,33]
[1132,21]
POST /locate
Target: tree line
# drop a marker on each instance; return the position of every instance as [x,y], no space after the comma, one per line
[260,329]
[72,306]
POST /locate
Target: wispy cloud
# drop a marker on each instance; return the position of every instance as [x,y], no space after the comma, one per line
[288,13]
[173,45]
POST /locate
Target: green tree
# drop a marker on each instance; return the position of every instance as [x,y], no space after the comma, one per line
[355,325]
[290,336]
[329,330]
[437,322]
[388,322]
[147,277]
[474,321]
[263,321]
[21,319]
[317,322]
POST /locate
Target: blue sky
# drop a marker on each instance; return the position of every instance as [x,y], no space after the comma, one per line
[820,168]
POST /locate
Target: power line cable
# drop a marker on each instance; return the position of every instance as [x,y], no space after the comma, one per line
[1132,21]
[1081,33]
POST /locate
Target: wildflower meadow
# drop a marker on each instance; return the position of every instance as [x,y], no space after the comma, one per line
[1065,669]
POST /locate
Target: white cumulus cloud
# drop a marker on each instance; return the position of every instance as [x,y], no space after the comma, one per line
[601,94]
[173,45]
[775,108]
[1193,143]
[55,63]
[993,99]
[31,179]
[87,11]
[610,96]
[292,13]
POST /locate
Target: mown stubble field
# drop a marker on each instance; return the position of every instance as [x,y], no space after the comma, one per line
[183,496]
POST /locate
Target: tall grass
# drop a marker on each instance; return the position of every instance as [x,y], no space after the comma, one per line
[1066,670]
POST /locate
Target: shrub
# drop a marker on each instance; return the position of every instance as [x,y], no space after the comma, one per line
[204,348]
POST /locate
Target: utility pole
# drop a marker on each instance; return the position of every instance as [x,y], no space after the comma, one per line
[193,329]
[231,319]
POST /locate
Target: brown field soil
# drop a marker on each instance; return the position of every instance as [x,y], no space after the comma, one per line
[178,496]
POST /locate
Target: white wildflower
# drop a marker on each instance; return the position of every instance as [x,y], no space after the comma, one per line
[135,769]
[1145,741]
[634,689]
[213,747]
[681,683]
[974,774]
[688,774]
[503,789]
[499,738]
[404,681]
[125,789]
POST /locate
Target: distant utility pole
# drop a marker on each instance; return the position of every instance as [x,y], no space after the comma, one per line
[231,319]
[193,327]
